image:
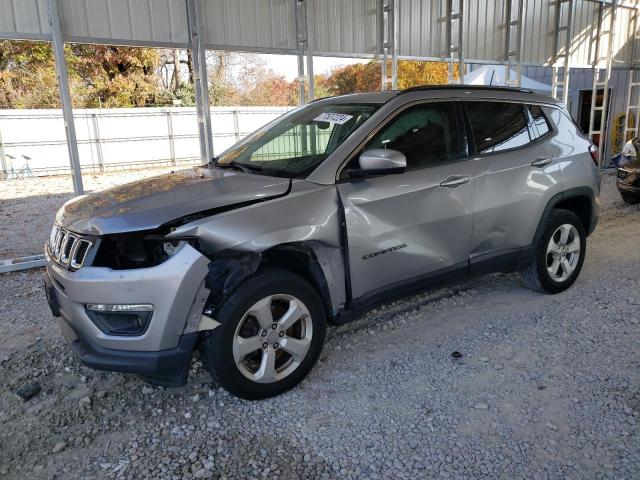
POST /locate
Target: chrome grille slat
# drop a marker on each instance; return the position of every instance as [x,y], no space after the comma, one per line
[80,253]
[59,243]
[54,233]
[65,251]
[56,239]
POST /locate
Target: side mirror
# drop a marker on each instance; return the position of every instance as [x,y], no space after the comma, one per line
[380,161]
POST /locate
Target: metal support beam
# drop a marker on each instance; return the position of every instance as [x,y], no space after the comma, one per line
[4,171]
[513,53]
[380,40]
[632,109]
[601,76]
[301,96]
[303,24]
[454,19]
[172,141]
[387,37]
[300,41]
[98,139]
[200,79]
[562,54]
[310,31]
[65,95]
[396,42]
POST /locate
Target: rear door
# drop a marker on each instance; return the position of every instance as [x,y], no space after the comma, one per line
[418,224]
[516,175]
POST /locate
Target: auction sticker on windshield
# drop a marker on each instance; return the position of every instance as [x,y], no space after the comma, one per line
[329,117]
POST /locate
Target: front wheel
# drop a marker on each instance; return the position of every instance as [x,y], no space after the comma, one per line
[271,334]
[559,254]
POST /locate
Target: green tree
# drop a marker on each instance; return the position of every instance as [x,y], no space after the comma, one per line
[27,75]
[99,75]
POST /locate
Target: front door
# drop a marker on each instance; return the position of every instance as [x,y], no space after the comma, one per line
[416,225]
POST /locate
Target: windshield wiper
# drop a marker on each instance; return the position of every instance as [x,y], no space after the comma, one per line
[242,167]
[232,165]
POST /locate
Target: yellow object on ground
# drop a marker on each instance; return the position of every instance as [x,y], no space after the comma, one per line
[617,141]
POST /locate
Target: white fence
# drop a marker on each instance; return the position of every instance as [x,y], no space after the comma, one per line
[33,142]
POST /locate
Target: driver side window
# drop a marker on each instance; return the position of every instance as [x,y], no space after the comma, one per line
[426,134]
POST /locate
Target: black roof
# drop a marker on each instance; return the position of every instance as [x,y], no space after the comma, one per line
[499,88]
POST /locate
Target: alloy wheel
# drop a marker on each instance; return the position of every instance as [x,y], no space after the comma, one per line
[563,252]
[272,338]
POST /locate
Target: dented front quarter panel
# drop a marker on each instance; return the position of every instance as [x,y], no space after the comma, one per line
[308,215]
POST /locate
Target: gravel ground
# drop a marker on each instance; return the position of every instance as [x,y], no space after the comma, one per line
[547,387]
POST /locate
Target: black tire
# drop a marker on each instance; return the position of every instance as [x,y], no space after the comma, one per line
[630,198]
[536,276]
[217,344]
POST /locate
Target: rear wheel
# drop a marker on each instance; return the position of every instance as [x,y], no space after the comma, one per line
[559,254]
[271,334]
[630,199]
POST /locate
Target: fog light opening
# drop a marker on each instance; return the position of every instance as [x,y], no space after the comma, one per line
[120,319]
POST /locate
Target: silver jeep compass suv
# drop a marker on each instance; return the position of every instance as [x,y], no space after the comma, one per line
[336,206]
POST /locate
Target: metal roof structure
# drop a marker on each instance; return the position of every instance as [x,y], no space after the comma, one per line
[559,33]
[340,27]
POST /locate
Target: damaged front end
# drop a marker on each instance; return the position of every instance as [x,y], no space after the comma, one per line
[123,251]
[147,249]
[182,270]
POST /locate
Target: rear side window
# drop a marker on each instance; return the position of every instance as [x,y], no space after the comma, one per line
[497,126]
[540,125]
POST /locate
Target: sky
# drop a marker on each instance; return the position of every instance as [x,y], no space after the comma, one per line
[287,65]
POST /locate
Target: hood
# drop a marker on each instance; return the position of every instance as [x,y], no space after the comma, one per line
[152,202]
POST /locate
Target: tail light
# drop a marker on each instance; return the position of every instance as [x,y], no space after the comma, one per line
[593,150]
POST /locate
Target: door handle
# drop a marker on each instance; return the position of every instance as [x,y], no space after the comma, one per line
[541,162]
[455,181]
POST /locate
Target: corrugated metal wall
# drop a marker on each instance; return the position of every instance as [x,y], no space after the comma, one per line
[423,31]
[344,27]
[130,21]
[24,19]
[340,27]
[258,25]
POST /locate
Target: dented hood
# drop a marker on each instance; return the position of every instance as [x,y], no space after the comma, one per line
[152,202]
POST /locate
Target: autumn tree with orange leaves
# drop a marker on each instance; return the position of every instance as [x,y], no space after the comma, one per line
[367,77]
[115,76]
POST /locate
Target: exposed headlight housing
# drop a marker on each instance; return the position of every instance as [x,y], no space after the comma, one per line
[122,251]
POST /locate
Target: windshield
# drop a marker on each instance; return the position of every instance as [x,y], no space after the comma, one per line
[295,144]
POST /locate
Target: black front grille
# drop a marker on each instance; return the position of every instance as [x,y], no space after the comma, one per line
[71,241]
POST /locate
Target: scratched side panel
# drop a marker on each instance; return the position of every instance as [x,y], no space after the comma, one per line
[511,196]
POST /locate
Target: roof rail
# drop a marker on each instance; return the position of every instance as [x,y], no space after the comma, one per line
[420,88]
